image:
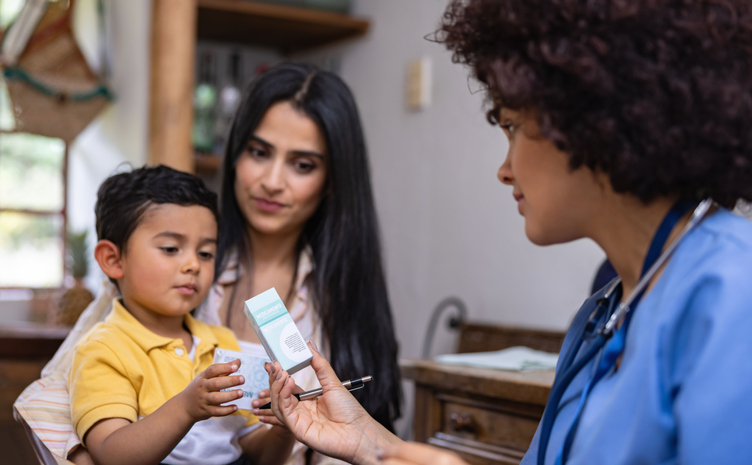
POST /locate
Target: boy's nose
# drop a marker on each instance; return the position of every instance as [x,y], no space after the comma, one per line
[191,265]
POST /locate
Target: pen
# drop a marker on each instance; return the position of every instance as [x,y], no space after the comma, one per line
[350,384]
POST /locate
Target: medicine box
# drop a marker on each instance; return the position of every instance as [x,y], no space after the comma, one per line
[277,331]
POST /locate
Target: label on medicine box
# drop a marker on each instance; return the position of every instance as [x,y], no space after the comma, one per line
[277,331]
[252,369]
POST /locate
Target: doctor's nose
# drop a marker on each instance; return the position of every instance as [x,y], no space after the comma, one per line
[505,172]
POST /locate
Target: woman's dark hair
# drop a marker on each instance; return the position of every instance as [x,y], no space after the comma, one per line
[654,93]
[347,282]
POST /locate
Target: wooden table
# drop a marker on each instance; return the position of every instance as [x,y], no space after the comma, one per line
[486,416]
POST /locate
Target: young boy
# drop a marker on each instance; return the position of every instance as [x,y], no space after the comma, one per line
[143,380]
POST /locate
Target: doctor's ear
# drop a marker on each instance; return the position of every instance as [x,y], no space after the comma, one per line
[107,255]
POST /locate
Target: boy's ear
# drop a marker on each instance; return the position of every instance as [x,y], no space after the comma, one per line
[107,255]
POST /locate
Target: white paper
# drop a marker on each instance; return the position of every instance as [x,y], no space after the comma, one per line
[252,369]
[514,358]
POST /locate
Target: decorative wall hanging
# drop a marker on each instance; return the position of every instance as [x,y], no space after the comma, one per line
[52,89]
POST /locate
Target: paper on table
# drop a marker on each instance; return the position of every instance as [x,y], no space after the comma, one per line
[514,358]
[252,369]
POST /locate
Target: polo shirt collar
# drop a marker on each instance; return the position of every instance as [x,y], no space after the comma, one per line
[145,338]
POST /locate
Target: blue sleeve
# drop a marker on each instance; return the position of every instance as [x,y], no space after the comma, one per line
[710,352]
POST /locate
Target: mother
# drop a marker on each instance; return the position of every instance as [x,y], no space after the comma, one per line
[622,116]
[297,214]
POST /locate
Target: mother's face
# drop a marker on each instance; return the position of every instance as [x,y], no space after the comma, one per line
[280,176]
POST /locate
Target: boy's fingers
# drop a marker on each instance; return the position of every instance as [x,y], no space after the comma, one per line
[224,382]
[221,411]
[220,397]
[221,369]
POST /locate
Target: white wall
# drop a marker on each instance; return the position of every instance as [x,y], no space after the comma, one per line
[449,227]
[120,133]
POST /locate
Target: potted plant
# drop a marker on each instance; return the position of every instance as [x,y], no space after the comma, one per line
[77,298]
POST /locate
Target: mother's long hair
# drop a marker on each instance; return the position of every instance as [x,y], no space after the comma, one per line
[347,283]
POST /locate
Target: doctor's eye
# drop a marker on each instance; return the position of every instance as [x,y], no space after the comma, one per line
[508,127]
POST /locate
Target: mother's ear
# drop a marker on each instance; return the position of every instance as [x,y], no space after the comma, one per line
[107,255]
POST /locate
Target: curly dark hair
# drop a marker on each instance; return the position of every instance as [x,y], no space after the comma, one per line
[654,93]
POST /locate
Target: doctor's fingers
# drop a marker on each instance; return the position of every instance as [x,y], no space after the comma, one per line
[282,389]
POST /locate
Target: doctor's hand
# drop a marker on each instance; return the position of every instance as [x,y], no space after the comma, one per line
[412,453]
[334,424]
[264,397]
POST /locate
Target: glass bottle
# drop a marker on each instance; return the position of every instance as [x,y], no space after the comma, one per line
[229,100]
[204,105]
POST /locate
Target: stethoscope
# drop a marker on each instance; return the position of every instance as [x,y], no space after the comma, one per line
[601,328]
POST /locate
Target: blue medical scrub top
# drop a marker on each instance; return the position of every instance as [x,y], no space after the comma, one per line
[683,392]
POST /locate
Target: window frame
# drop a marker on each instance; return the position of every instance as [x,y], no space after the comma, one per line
[46,213]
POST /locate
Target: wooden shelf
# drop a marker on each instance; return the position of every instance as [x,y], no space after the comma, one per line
[207,164]
[285,28]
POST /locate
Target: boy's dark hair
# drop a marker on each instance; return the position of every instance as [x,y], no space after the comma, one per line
[123,199]
[655,93]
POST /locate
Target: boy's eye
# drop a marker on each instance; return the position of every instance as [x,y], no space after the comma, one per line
[206,255]
[169,250]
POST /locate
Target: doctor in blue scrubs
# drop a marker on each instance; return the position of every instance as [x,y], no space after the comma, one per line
[629,123]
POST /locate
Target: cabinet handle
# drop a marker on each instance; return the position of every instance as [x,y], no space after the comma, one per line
[462,422]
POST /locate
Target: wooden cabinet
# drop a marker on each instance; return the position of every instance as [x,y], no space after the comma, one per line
[24,351]
[486,416]
[176,25]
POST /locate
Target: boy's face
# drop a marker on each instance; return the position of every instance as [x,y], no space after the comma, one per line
[168,264]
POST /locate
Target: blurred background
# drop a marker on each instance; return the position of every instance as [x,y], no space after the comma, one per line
[167,75]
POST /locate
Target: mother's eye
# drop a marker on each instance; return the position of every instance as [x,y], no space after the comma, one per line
[257,152]
[304,166]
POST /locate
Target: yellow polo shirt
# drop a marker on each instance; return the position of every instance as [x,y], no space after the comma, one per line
[123,370]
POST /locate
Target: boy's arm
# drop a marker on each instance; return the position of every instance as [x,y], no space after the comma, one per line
[268,445]
[115,441]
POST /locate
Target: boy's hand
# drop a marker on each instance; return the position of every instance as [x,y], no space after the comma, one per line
[202,398]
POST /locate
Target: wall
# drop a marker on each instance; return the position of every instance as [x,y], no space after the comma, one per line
[449,227]
[119,135]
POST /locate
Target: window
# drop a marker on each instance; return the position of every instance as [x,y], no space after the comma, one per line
[32,197]
[32,210]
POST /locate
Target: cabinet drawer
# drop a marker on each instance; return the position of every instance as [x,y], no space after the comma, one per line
[479,422]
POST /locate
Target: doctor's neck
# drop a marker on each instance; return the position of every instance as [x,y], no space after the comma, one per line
[625,231]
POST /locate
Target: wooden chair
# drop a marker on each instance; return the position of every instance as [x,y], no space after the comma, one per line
[43,454]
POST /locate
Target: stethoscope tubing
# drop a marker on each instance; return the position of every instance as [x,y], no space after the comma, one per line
[697,215]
